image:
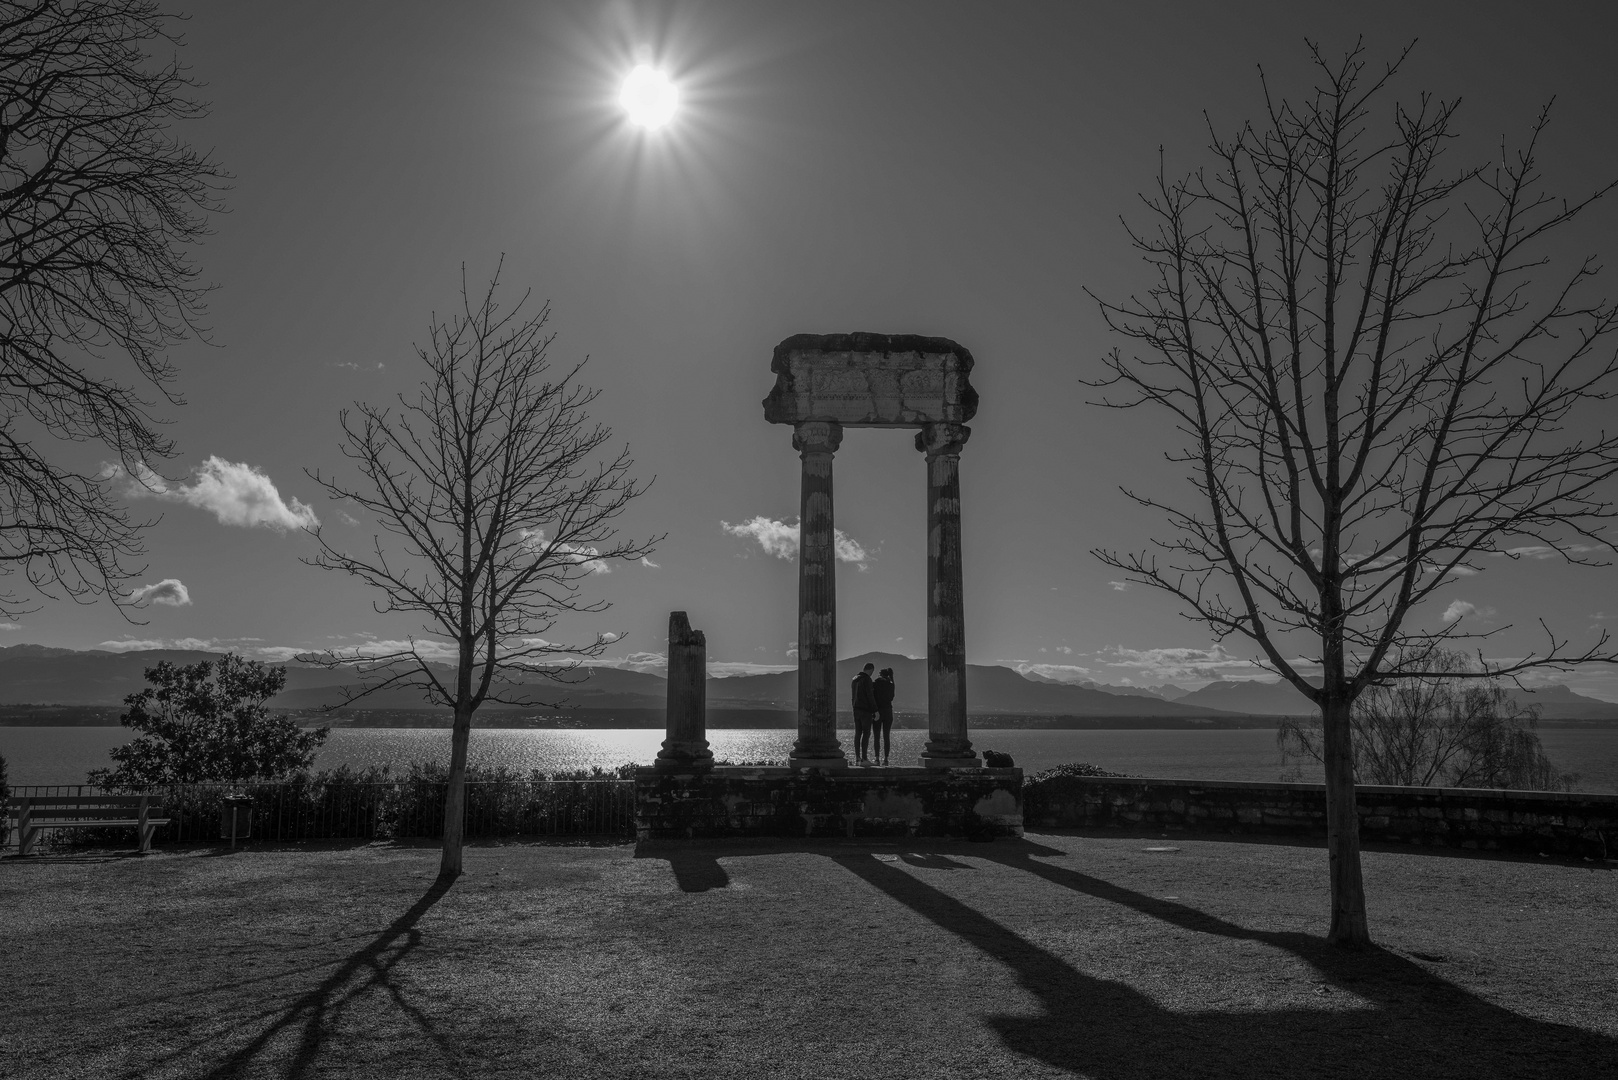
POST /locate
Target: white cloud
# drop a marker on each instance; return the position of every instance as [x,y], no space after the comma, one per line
[426,648]
[1547,551]
[187,644]
[1184,665]
[1457,610]
[781,540]
[653,663]
[1068,673]
[10,626]
[724,669]
[236,494]
[1117,586]
[587,558]
[609,637]
[171,592]
[649,564]
[1064,650]
[1531,551]
[280,654]
[346,518]
[775,537]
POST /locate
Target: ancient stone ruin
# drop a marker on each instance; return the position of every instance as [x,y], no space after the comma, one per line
[824,383]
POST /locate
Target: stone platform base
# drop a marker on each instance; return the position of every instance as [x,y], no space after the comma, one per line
[747,801]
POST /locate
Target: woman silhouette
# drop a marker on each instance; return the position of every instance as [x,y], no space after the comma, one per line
[883,729]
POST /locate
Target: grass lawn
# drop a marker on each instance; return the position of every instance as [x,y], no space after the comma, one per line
[1054,956]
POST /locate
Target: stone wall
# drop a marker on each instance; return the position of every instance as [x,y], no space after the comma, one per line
[745,801]
[1475,819]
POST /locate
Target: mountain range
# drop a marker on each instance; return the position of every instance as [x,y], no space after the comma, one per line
[40,675]
[1254,698]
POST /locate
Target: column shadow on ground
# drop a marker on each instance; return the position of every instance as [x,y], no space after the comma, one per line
[1417,1026]
[309,1018]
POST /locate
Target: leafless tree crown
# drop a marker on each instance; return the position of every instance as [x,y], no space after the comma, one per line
[99,203]
[500,499]
[1386,373]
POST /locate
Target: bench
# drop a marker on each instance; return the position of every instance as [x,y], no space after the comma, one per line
[36,813]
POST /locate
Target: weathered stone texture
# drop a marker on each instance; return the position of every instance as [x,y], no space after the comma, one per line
[817,745]
[871,380]
[743,801]
[686,744]
[1475,819]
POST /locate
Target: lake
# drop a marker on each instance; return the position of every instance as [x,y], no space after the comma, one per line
[62,755]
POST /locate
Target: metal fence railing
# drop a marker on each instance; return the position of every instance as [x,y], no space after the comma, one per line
[392,809]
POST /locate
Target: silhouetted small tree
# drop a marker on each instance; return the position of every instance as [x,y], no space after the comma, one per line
[501,498]
[1438,732]
[208,722]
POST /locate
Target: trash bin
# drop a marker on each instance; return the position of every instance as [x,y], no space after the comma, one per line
[235,818]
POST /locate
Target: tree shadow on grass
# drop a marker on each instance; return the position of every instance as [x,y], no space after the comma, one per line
[311,1016]
[1408,1023]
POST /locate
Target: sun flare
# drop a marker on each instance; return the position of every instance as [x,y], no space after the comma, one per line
[649,98]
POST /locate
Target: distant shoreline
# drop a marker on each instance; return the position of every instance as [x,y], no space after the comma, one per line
[718,719]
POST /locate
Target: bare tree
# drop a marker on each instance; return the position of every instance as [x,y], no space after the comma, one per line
[494,485]
[1380,376]
[1437,732]
[98,203]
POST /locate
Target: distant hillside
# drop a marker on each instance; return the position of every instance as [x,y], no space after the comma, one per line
[32,674]
[989,690]
[35,675]
[1282,699]
[38,676]
[1165,693]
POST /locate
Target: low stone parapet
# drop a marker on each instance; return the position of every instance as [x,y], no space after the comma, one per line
[749,801]
[1549,822]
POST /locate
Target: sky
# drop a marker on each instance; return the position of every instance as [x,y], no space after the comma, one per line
[948,169]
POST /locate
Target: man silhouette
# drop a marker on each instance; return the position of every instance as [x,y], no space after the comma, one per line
[864,701]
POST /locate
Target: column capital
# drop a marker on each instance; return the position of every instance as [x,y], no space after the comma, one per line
[817,437]
[939,439]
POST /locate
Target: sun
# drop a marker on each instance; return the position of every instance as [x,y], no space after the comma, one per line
[649,98]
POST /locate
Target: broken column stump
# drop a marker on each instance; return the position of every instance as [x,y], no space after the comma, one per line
[685,747]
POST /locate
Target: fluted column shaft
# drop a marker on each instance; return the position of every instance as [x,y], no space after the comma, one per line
[817,745]
[948,744]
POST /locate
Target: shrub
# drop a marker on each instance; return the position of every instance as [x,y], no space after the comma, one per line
[1048,785]
[1072,768]
[208,722]
[1454,731]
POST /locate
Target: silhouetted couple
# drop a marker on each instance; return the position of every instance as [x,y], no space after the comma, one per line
[873,716]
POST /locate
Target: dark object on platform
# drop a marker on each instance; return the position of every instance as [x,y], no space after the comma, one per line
[994,759]
[235,818]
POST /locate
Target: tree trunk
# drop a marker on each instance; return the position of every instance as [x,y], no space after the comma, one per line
[455,797]
[1348,925]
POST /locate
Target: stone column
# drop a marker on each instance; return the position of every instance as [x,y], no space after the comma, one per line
[947,742]
[685,749]
[817,746]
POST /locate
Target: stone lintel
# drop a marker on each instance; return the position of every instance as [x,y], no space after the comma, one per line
[871,380]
